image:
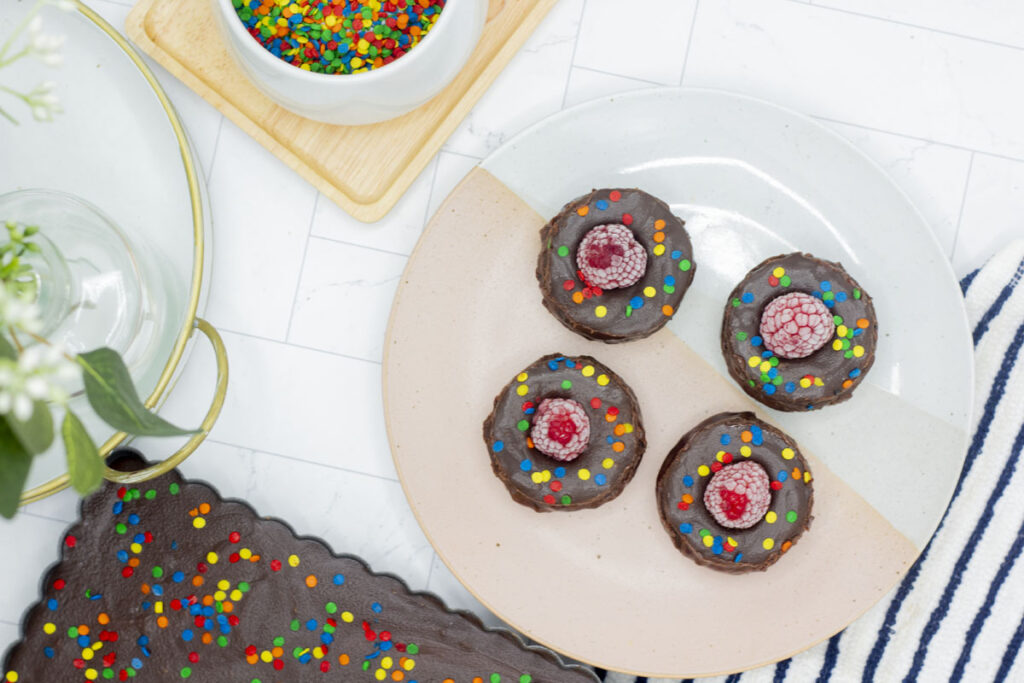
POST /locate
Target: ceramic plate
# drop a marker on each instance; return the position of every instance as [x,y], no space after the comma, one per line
[115,147]
[607,586]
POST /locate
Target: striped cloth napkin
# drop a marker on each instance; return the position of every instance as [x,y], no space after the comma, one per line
[959,612]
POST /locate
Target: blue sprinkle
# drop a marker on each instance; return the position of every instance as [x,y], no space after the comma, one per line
[816,294]
[373,655]
[831,303]
[136,663]
[48,651]
[600,203]
[139,538]
[174,545]
[304,659]
[686,527]
[757,439]
[311,624]
[676,254]
[716,547]
[146,605]
[840,297]
[769,389]
[755,430]
[178,577]
[756,341]
[208,623]
[552,365]
[209,611]
[790,387]
[498,445]
[783,476]
[326,638]
[158,591]
[570,364]
[725,439]
[97,596]
[739,556]
[225,629]
[767,354]
[118,506]
[221,619]
[339,579]
[194,610]
[530,411]
[385,646]
[857,332]
[122,555]
[600,479]
[133,519]
[687,481]
[636,302]
[669,280]
[747,298]
[855,373]
[826,286]
[526,466]
[610,439]
[83,641]
[143,641]
[773,373]
[187,635]
[559,471]
[376,607]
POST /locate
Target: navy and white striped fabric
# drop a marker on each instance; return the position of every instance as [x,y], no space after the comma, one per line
[959,612]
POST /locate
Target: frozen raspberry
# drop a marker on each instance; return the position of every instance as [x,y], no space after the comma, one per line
[738,495]
[795,325]
[561,429]
[610,257]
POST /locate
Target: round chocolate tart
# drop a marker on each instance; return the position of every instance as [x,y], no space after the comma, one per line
[735,494]
[799,333]
[565,434]
[614,265]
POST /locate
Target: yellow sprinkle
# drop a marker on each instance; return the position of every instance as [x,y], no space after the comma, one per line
[546,475]
[236,595]
[159,607]
[211,557]
[788,453]
[858,351]
[199,522]
[600,311]
[409,664]
[650,292]
[318,652]
[12,677]
[49,629]
[245,553]
[293,560]
[769,543]
[754,361]
[841,330]
[522,390]
[708,541]
[745,451]
[659,249]
[588,371]
[91,674]
[522,377]
[765,366]
[355,63]
[87,653]
[363,46]
[583,474]
[220,596]
[386,662]
[607,463]
[731,541]
[266,656]
[807,477]
[223,584]
[628,427]
[779,272]
[537,477]
[703,470]
[771,517]
[837,345]
[97,645]
[818,382]
[136,548]
[804,382]
[719,455]
[347,617]
[602,380]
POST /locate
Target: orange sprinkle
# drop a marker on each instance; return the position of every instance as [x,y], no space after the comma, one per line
[620,429]
[161,621]
[415,30]
[103,618]
[618,446]
[529,442]
[134,562]
[746,437]
[787,545]
[193,512]
[847,384]
[796,473]
[207,638]
[277,652]
[687,498]
[252,659]
[254,558]
[204,508]
[666,309]
[311,581]
[659,224]
[577,297]
[609,417]
[207,600]
[228,607]
[659,237]
[144,588]
[83,630]
[197,581]
[863,323]
[343,660]
[397,675]
[583,210]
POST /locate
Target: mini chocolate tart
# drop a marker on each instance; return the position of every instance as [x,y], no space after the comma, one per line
[799,333]
[586,419]
[735,493]
[614,265]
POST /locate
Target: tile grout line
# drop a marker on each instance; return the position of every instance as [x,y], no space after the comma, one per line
[689,41]
[963,203]
[430,193]
[336,354]
[335,240]
[609,73]
[302,266]
[572,57]
[216,146]
[460,154]
[907,24]
[303,460]
[48,518]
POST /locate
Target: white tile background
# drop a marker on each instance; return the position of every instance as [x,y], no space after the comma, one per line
[929,88]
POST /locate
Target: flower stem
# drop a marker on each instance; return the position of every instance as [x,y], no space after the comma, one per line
[44,340]
[17,342]
[7,116]
[20,27]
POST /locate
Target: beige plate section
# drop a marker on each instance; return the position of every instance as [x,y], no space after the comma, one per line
[182,36]
[604,586]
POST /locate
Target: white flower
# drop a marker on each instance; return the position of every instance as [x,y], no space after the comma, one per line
[44,101]
[39,374]
[44,46]
[19,312]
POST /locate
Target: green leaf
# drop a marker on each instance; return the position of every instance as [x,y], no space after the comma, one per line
[85,466]
[35,433]
[14,465]
[7,350]
[112,395]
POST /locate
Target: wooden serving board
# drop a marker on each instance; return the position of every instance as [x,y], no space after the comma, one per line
[183,37]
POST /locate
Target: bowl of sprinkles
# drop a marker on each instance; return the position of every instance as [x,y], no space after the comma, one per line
[351,62]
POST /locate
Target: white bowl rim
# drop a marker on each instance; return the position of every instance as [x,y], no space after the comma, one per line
[289,70]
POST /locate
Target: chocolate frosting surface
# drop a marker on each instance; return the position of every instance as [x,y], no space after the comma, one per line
[715,443]
[170,582]
[830,374]
[626,313]
[599,474]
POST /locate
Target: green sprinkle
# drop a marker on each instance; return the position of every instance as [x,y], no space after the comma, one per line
[563,251]
[331,608]
[736,302]
[525,678]
[742,336]
[750,382]
[108,673]
[150,494]
[158,572]
[295,626]
[366,666]
[778,380]
[848,354]
[243,586]
[297,652]
[704,532]
[566,499]
[279,641]
[523,425]
[412,649]
[629,311]
[222,641]
[837,319]
[174,489]
[329,629]
[856,294]
[791,516]
[495,678]
[685,265]
[828,296]
[785,281]
[73,632]
[773,361]
[186,672]
[120,528]
[566,384]
[669,289]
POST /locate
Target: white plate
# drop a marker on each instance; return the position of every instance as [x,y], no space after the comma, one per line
[115,146]
[751,180]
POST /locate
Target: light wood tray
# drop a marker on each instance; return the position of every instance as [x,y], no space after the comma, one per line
[182,36]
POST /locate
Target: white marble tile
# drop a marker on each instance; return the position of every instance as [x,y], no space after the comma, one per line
[933,176]
[444,584]
[993,211]
[863,71]
[647,41]
[451,169]
[62,506]
[531,87]
[33,543]
[397,232]
[586,84]
[261,216]
[310,405]
[999,21]
[344,298]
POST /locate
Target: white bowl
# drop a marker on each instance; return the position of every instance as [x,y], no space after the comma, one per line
[370,96]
